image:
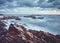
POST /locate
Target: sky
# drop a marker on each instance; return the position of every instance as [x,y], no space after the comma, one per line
[29,6]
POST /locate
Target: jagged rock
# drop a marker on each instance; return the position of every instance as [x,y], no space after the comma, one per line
[19,34]
[47,37]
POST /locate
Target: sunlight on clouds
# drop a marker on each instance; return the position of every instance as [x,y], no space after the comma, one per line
[36,1]
[27,10]
[46,0]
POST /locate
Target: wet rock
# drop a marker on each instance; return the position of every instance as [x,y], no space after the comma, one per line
[18,34]
[10,17]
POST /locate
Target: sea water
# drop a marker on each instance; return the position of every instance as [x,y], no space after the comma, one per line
[50,23]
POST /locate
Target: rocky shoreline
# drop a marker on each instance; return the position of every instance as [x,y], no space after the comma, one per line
[9,17]
[18,34]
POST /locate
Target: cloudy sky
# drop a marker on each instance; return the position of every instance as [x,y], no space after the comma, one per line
[29,6]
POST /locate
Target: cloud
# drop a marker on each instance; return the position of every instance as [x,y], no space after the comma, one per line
[51,0]
[28,10]
[49,4]
[30,3]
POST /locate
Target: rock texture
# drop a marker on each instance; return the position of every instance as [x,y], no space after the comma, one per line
[19,34]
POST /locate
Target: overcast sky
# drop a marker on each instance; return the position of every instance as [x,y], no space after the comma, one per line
[28,5]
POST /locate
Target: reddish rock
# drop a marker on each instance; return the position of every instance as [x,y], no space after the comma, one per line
[19,34]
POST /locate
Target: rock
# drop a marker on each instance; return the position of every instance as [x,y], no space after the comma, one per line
[58,36]
[9,17]
[47,37]
[19,34]
[12,30]
[35,17]
[2,29]
[31,16]
[2,24]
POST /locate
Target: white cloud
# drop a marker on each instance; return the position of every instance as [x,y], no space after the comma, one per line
[27,10]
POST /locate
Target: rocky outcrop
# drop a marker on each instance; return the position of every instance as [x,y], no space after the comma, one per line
[19,34]
[10,17]
[35,17]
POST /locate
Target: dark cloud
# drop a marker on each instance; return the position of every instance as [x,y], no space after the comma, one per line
[50,4]
[51,0]
[30,3]
[25,3]
[2,2]
[41,1]
[10,0]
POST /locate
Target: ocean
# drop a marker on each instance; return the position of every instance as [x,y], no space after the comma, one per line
[49,23]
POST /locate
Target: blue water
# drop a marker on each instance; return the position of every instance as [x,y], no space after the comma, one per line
[50,23]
